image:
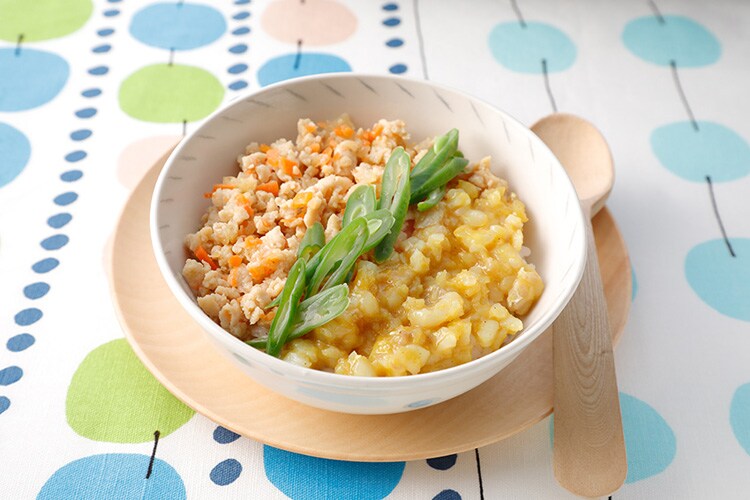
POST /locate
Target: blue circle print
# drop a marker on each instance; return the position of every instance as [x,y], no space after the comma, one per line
[240,48]
[80,135]
[720,280]
[397,69]
[447,495]
[692,154]
[238,85]
[394,42]
[99,70]
[678,39]
[54,242]
[14,150]
[91,93]
[442,463]
[71,175]
[114,475]
[28,316]
[36,290]
[4,404]
[20,342]
[30,78]
[290,66]
[649,440]
[45,265]
[224,436]
[522,49]
[177,26]
[308,478]
[86,112]
[739,416]
[10,375]
[65,198]
[241,31]
[226,472]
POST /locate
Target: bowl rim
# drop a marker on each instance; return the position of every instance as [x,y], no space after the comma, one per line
[525,337]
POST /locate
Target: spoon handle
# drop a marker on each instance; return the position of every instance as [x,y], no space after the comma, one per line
[589,447]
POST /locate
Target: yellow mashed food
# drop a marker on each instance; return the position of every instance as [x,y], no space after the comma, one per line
[454,289]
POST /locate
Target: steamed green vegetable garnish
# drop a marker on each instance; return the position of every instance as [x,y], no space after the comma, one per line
[313,312]
[394,196]
[433,198]
[361,202]
[312,242]
[287,311]
[439,177]
[441,151]
[338,255]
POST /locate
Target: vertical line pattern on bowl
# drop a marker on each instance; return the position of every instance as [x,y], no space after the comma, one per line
[230,119]
[258,103]
[367,86]
[207,137]
[476,113]
[442,99]
[333,90]
[404,90]
[295,94]
[507,133]
[531,150]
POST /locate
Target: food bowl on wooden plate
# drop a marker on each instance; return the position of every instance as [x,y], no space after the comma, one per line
[554,232]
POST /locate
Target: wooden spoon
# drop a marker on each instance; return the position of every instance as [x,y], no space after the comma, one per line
[589,447]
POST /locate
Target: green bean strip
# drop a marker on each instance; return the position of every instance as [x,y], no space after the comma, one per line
[440,177]
[394,197]
[444,148]
[285,314]
[433,198]
[379,224]
[313,312]
[346,265]
[343,248]
[312,242]
[361,202]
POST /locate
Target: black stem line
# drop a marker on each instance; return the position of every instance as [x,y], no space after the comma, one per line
[718,217]
[479,474]
[153,455]
[657,12]
[171,56]
[18,44]
[547,87]
[519,14]
[298,56]
[184,128]
[420,38]
[681,92]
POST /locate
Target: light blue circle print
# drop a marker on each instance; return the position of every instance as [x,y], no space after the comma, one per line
[309,478]
[522,49]
[292,66]
[15,151]
[115,475]
[179,26]
[678,39]
[739,416]
[692,154]
[30,78]
[720,280]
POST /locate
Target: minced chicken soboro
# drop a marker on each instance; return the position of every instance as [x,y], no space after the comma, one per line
[454,289]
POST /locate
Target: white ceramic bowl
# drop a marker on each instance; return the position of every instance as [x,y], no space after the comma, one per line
[555,232]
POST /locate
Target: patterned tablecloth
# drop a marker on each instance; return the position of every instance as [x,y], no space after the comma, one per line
[91,93]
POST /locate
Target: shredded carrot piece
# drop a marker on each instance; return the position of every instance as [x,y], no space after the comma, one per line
[248,209]
[377,130]
[269,315]
[201,253]
[288,165]
[269,187]
[235,260]
[252,241]
[301,199]
[233,278]
[344,131]
[315,148]
[310,128]
[217,187]
[264,148]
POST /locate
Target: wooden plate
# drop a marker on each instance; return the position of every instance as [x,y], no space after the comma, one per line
[182,357]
